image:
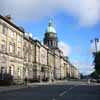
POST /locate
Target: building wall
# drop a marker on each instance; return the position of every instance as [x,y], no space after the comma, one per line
[22,57]
[51,64]
[43,55]
[43,63]
[28,49]
[36,64]
[57,67]
[11,50]
[65,69]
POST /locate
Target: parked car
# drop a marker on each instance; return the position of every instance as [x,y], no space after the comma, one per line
[98,80]
[93,80]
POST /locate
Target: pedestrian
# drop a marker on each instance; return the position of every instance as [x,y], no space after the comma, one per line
[52,80]
[26,81]
[89,82]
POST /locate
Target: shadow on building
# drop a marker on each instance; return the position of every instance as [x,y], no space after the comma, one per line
[6,79]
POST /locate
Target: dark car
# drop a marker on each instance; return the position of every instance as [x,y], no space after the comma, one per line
[98,80]
[93,80]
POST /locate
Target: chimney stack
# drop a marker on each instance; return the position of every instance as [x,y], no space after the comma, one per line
[8,17]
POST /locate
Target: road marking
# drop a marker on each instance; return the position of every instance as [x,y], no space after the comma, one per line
[63,93]
[66,91]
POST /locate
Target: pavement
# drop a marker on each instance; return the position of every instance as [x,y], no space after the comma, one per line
[65,90]
[65,82]
[17,87]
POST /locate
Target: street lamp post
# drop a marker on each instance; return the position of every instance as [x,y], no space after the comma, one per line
[96,40]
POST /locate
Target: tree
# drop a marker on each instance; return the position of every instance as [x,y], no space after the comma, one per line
[97,62]
[94,75]
[81,76]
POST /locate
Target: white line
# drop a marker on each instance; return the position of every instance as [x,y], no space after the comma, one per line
[61,94]
[66,91]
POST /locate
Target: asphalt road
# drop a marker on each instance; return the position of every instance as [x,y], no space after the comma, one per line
[55,92]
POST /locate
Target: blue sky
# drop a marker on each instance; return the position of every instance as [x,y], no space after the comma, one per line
[76,24]
[76,37]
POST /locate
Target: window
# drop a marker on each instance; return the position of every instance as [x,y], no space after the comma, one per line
[2,70]
[18,71]
[11,71]
[3,45]
[11,34]
[51,43]
[19,51]
[19,38]
[2,73]
[12,48]
[4,30]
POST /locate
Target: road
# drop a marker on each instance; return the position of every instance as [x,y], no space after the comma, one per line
[60,91]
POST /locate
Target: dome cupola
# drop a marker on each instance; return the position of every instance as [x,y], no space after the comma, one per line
[50,38]
[50,28]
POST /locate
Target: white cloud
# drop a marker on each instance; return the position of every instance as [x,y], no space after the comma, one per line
[35,38]
[84,67]
[65,48]
[87,11]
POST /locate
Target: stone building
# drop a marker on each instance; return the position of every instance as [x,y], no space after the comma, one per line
[11,48]
[51,40]
[62,67]
[40,64]
[51,64]
[43,62]
[22,57]
[36,65]
[28,56]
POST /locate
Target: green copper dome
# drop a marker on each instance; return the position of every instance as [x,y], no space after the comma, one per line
[50,28]
[50,38]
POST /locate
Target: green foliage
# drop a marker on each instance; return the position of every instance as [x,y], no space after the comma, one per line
[81,76]
[97,62]
[94,75]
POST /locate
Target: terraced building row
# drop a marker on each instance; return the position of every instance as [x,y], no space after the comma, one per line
[22,57]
